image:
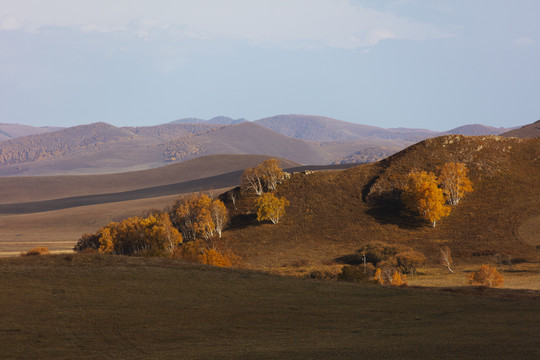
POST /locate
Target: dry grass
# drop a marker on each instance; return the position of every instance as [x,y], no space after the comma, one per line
[95,307]
[329,217]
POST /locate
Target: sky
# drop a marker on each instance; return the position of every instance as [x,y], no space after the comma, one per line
[435,64]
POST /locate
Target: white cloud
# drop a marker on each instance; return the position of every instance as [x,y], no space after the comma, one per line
[523,41]
[334,23]
[9,23]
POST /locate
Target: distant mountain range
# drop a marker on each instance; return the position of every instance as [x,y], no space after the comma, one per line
[103,148]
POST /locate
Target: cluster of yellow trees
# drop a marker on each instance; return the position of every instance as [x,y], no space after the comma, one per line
[199,217]
[428,195]
[263,180]
[139,235]
[193,226]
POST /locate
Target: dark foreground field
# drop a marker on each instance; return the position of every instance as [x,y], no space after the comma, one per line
[95,307]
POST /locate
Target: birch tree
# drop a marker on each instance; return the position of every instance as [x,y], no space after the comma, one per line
[454,181]
[423,196]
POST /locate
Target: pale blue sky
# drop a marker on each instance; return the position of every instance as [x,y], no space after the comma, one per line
[423,64]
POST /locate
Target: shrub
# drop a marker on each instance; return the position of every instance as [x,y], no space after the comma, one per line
[36,251]
[352,273]
[408,261]
[199,252]
[487,276]
[388,275]
[377,252]
[87,241]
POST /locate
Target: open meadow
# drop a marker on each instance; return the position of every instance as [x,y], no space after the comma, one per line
[95,307]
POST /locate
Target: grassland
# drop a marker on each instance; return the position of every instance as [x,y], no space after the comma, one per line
[96,307]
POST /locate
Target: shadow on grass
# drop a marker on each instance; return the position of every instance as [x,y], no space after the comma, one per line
[350,259]
[242,221]
[395,215]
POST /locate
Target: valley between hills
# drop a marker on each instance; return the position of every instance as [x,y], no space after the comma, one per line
[282,300]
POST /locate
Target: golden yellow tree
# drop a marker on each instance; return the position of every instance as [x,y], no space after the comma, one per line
[135,235]
[454,181]
[220,216]
[272,173]
[263,177]
[270,207]
[204,225]
[423,196]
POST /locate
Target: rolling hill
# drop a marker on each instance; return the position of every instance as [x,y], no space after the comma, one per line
[331,214]
[102,148]
[527,131]
[25,189]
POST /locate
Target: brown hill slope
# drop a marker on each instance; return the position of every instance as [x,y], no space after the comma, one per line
[331,214]
[527,131]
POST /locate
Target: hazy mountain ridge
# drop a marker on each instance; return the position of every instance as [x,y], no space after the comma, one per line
[104,148]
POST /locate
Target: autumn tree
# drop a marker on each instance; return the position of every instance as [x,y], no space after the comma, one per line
[423,196]
[446,258]
[220,216]
[270,207]
[272,173]
[252,179]
[454,181]
[199,217]
[264,177]
[137,235]
[487,276]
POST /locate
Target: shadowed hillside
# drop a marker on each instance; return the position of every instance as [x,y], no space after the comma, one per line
[331,214]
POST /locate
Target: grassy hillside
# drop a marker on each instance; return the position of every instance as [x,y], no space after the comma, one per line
[331,214]
[95,307]
[527,131]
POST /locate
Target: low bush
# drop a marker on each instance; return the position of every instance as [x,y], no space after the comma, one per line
[352,273]
[409,261]
[36,251]
[87,241]
[487,276]
[377,252]
[198,251]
